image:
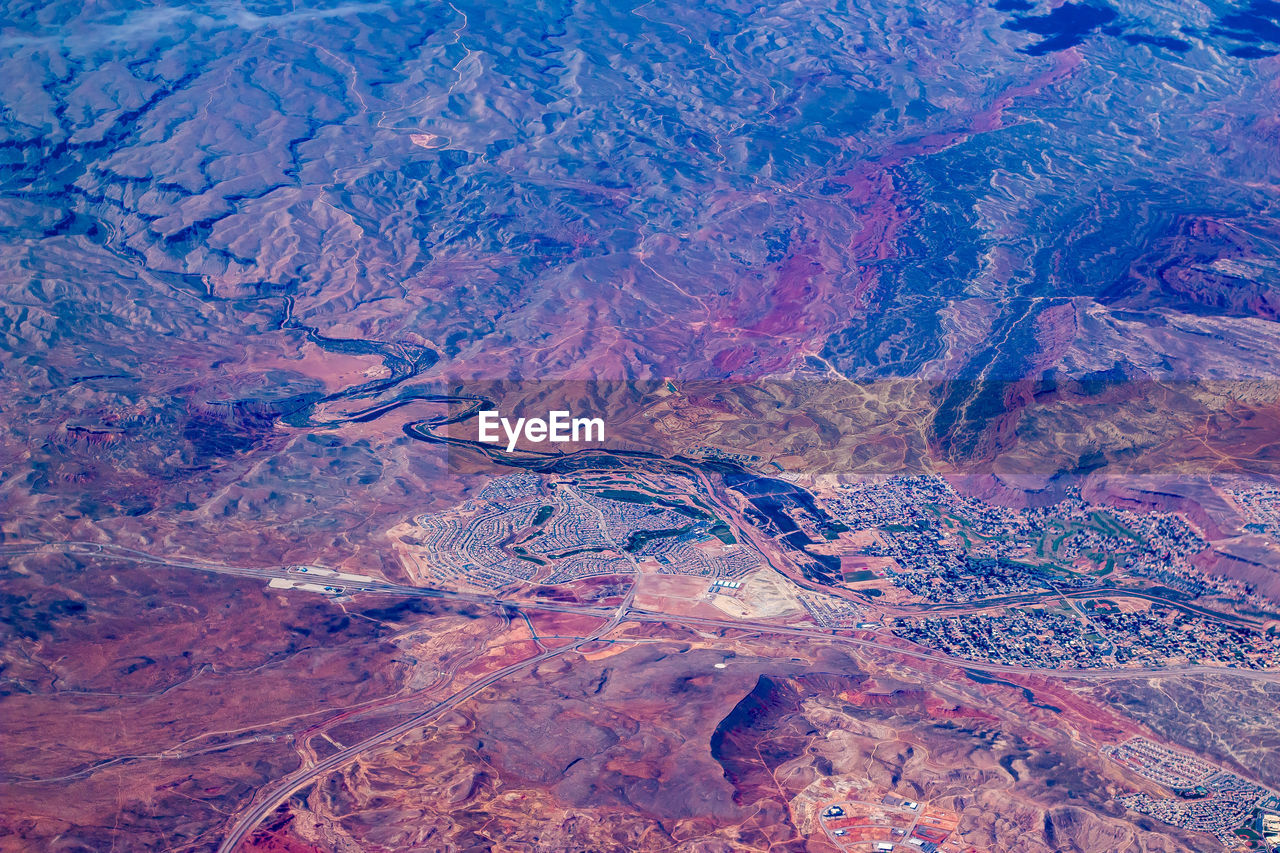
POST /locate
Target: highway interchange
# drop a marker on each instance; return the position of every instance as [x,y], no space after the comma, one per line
[637,615]
[269,799]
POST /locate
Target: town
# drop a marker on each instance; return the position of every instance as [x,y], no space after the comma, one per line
[1205,798]
[1016,587]
[523,529]
[942,546]
[1261,504]
[1098,634]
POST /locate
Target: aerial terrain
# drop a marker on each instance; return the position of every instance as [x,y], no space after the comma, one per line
[923,486]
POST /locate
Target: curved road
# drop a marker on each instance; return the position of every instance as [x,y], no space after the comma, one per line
[1093,592]
[385,588]
[279,793]
[291,784]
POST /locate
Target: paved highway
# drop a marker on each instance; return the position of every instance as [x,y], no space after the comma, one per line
[293,783]
[385,588]
[948,609]
[271,798]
